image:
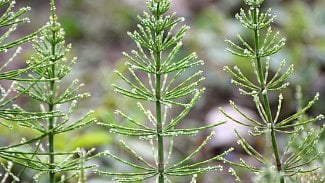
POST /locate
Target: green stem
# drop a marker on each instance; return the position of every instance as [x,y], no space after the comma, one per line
[51,108]
[161,162]
[50,129]
[51,142]
[265,99]
[161,165]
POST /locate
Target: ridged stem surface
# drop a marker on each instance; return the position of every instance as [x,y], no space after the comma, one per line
[265,98]
[52,105]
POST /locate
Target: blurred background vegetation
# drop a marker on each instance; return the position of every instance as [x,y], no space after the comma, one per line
[97,29]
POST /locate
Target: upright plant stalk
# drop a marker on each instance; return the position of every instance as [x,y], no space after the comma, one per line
[158,46]
[49,66]
[51,105]
[50,129]
[269,124]
[161,166]
[264,97]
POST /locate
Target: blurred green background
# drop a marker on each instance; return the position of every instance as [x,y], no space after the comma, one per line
[97,30]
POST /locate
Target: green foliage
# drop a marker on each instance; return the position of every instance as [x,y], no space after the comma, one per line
[266,44]
[9,21]
[308,136]
[154,76]
[158,45]
[48,67]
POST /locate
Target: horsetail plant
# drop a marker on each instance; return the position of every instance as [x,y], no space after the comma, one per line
[9,21]
[266,44]
[43,85]
[158,45]
[297,141]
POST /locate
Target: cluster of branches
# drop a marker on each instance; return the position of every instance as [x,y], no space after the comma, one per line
[9,21]
[266,43]
[156,79]
[159,40]
[40,81]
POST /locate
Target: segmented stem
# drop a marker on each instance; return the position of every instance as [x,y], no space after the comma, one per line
[51,105]
[265,98]
[161,165]
[51,141]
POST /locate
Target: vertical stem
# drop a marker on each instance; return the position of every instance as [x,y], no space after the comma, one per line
[51,123]
[264,96]
[161,165]
[50,129]
[51,104]
[51,141]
